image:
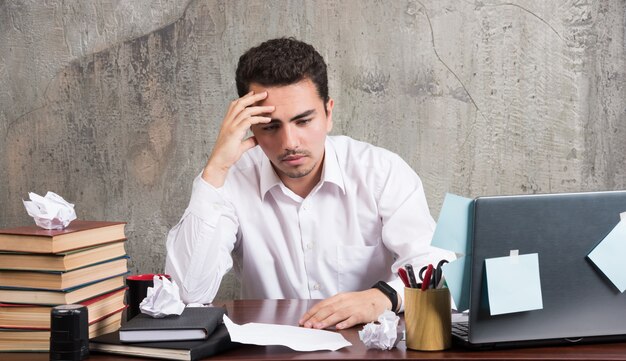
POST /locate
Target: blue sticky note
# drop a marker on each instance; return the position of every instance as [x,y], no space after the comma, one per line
[452,231]
[457,274]
[513,284]
[609,256]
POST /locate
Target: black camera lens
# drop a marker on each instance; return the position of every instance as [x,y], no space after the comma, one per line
[69,333]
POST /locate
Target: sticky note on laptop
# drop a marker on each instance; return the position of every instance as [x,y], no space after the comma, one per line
[609,256]
[452,231]
[452,234]
[513,283]
[457,275]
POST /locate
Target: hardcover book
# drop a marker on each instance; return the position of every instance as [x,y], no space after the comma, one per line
[63,280]
[79,234]
[64,297]
[38,340]
[38,317]
[195,323]
[65,261]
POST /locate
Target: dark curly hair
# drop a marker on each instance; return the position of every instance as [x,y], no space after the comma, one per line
[282,61]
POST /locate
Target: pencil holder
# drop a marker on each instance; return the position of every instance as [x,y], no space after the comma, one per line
[427,317]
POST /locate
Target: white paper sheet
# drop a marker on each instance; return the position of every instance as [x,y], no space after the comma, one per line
[460,317]
[296,338]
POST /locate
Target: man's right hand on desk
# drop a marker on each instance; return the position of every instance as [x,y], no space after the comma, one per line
[231,142]
[345,310]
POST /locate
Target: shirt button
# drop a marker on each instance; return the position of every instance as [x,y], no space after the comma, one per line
[309,246]
[317,287]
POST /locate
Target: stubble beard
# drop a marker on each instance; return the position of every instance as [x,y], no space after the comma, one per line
[296,173]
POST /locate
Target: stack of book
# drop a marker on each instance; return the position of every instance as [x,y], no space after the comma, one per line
[84,263]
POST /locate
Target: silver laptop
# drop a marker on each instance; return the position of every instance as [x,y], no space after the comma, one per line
[580,304]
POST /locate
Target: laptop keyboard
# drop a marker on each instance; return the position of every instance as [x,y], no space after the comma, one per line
[460,329]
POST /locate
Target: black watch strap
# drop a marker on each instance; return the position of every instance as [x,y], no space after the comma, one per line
[388,291]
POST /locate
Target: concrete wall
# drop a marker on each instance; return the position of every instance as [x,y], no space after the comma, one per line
[115,105]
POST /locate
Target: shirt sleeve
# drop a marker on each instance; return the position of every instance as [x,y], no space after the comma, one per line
[408,226]
[199,247]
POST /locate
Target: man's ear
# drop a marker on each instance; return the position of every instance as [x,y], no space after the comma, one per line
[329,115]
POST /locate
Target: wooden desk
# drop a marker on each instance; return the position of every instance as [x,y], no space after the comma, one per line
[288,312]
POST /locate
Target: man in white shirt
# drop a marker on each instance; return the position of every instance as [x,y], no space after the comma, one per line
[298,213]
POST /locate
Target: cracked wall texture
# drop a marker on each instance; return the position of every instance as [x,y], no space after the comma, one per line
[115,104]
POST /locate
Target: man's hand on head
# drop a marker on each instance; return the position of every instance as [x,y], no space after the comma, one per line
[345,310]
[231,142]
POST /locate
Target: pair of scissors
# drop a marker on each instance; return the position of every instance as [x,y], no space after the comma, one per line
[426,275]
[431,276]
[437,280]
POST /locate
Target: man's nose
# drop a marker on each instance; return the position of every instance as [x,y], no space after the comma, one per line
[289,138]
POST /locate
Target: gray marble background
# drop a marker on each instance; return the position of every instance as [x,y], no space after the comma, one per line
[115,105]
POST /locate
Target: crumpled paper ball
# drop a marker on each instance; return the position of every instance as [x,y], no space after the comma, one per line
[381,335]
[51,211]
[163,299]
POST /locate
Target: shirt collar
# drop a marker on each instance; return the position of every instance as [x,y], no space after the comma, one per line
[331,171]
[269,178]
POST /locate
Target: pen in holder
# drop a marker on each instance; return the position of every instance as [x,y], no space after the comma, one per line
[427,317]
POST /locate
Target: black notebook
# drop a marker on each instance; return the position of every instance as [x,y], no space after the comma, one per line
[195,323]
[218,341]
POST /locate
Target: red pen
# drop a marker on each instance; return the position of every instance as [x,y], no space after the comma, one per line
[404,277]
[427,275]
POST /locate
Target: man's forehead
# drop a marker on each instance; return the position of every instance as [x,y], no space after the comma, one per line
[304,89]
[291,102]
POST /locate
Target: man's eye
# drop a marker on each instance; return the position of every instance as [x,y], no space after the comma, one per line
[303,121]
[270,128]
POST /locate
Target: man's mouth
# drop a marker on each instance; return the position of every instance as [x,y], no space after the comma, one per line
[295,159]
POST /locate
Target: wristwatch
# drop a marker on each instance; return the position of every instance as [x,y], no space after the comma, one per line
[388,291]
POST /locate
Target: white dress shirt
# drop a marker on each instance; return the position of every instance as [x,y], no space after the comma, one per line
[365,218]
